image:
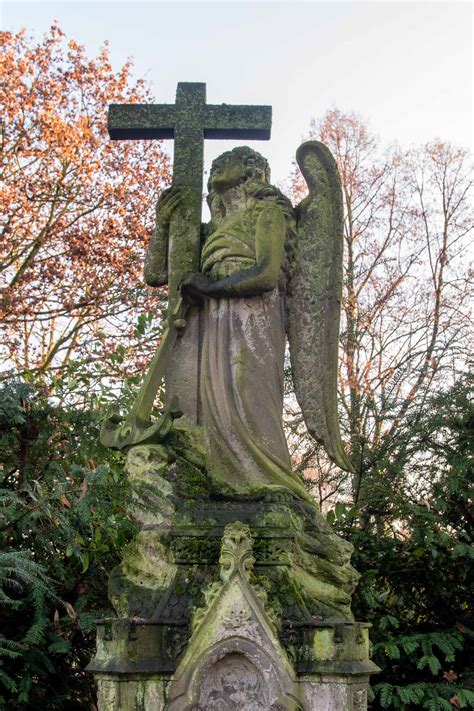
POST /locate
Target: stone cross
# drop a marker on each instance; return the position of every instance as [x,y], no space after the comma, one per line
[189,121]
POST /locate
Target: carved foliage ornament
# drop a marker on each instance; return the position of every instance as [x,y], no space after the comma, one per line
[359,700]
[236,551]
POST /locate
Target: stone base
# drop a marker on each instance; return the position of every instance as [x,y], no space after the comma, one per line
[320,692]
[144,693]
[135,664]
[238,655]
[328,693]
[228,604]
[303,564]
[331,692]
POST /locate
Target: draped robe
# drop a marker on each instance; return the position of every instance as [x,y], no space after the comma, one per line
[242,365]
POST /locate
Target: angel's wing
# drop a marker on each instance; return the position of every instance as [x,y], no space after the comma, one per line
[314,298]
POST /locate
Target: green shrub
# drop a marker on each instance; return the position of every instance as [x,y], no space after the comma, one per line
[63,523]
[415,555]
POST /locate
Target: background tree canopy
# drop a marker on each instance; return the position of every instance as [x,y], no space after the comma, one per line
[77,212]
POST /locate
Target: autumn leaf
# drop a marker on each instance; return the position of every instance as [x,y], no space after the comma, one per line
[450,675]
[65,501]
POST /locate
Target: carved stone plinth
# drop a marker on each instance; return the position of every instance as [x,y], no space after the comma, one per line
[228,604]
[232,650]
[332,692]
[304,565]
[136,667]
[125,692]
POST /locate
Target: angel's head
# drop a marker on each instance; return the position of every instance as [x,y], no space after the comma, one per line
[247,170]
[236,167]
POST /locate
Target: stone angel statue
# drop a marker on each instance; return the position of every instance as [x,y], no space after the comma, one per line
[267,271]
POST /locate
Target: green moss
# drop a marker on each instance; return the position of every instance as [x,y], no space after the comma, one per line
[283,595]
[190,482]
[323,646]
[181,461]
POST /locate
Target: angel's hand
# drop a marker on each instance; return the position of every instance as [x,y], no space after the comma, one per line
[194,287]
[168,201]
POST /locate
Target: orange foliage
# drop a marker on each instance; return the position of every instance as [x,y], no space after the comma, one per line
[77,209]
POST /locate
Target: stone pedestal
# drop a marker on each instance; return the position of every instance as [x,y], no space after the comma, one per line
[333,692]
[136,668]
[228,604]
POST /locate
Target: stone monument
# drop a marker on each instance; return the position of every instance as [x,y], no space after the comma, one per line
[236,593]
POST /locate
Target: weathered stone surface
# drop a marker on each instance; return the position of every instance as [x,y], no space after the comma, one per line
[131,694]
[231,655]
[314,298]
[166,582]
[333,693]
[147,468]
[135,659]
[220,121]
[303,564]
[234,680]
[137,585]
[129,647]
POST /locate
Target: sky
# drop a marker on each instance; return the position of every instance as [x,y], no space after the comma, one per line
[406,67]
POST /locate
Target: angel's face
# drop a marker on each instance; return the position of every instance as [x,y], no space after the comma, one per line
[226,173]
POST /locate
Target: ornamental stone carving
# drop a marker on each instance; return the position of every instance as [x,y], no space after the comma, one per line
[234,659]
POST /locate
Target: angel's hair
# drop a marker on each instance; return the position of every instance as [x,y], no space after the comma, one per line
[256,166]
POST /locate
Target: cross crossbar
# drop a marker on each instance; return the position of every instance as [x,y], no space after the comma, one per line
[140,121]
[160,121]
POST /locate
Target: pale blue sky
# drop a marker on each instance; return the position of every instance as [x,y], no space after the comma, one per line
[405,66]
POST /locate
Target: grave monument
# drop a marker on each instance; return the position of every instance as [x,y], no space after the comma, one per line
[236,593]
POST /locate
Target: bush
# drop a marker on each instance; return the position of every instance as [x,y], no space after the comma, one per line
[64,521]
[415,557]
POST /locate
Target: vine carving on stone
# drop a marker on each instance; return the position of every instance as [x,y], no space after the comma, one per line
[236,557]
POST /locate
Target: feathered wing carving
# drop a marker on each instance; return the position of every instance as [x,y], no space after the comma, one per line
[314,298]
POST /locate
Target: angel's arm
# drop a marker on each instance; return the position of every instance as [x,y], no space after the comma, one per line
[156,260]
[269,246]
